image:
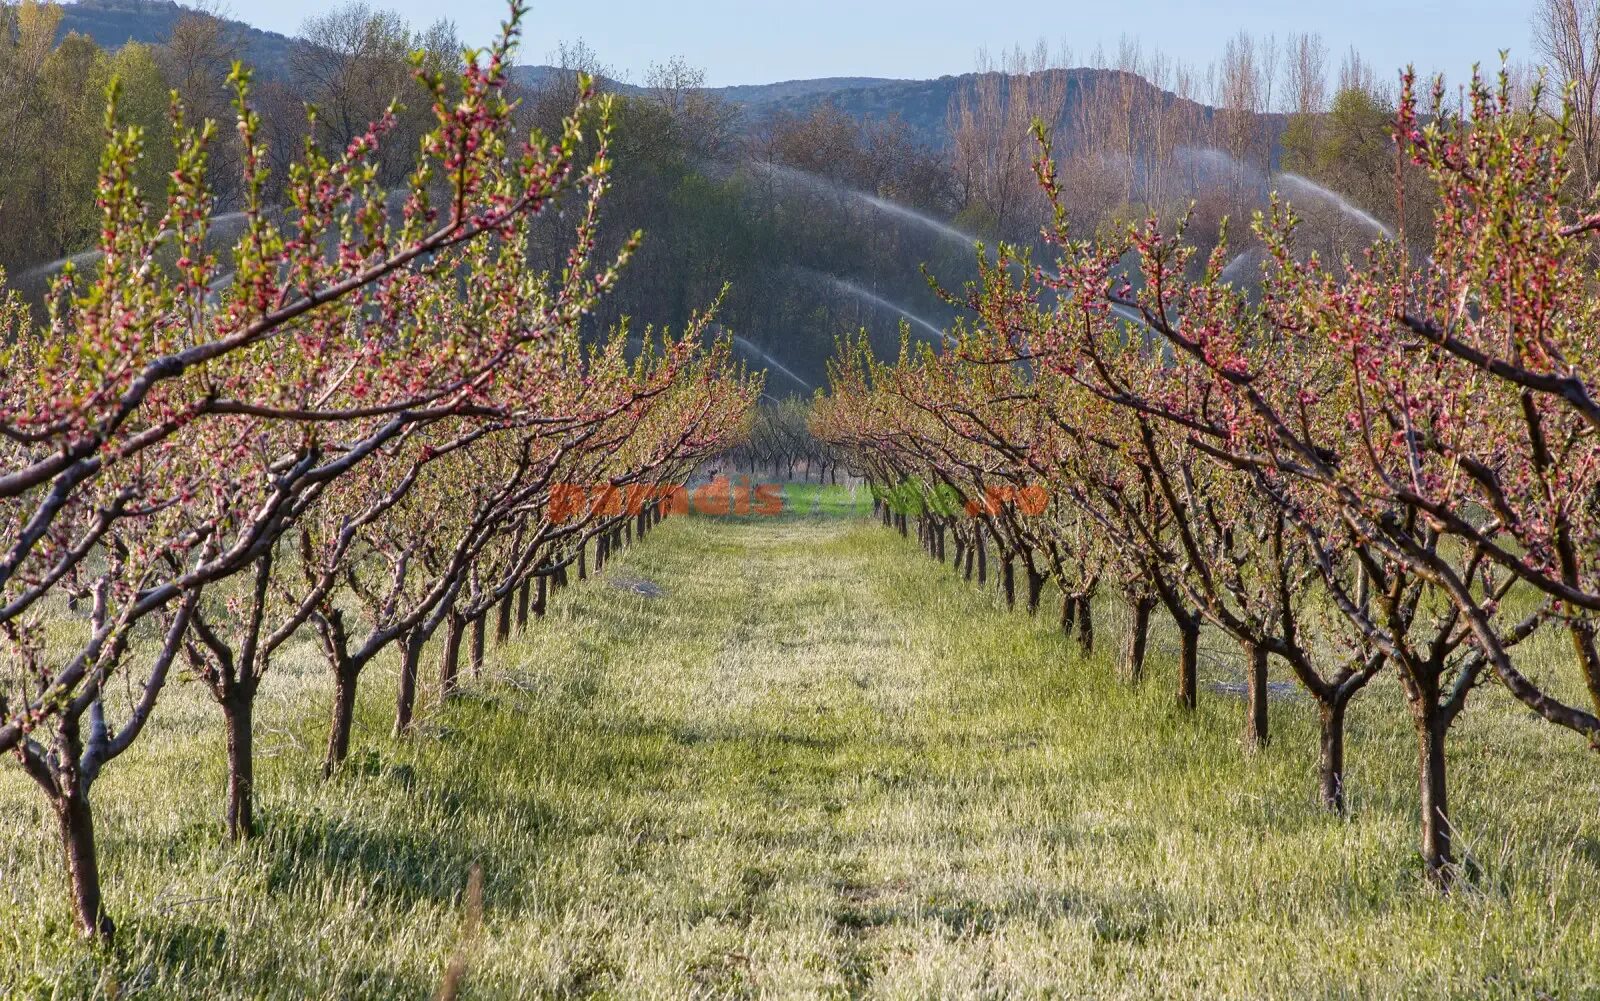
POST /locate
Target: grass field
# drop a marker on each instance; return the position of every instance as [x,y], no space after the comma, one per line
[817,766]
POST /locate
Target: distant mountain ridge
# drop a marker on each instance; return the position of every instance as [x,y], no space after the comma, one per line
[923,105]
[113,23]
[760,94]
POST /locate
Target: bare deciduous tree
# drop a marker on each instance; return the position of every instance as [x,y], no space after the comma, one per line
[1307,74]
[990,123]
[1567,32]
[1239,96]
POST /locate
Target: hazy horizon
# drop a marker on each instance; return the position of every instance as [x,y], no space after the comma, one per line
[745,43]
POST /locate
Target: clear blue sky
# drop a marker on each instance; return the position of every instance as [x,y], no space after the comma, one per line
[756,41]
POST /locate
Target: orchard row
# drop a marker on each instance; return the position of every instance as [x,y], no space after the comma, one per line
[1389,464]
[351,428]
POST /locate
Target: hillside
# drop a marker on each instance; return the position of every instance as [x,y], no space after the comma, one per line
[113,23]
[923,105]
[761,94]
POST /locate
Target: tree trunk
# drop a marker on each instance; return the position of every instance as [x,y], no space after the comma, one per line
[1582,632]
[1035,590]
[83,864]
[1069,613]
[478,625]
[344,711]
[1085,624]
[583,559]
[983,558]
[502,624]
[450,661]
[1008,581]
[972,551]
[1330,756]
[1189,663]
[406,698]
[1255,728]
[1138,640]
[542,598]
[1437,857]
[523,597]
[238,714]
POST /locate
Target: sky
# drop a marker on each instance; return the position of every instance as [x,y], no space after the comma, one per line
[757,41]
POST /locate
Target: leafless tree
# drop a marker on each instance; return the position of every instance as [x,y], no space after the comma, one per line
[1307,74]
[705,122]
[1355,73]
[1239,96]
[352,65]
[990,123]
[1567,33]
[196,59]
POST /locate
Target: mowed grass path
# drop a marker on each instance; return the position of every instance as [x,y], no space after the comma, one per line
[818,766]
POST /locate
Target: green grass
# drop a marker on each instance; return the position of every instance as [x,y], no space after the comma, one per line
[820,766]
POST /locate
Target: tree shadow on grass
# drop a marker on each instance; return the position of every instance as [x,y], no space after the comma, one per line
[311,850]
[428,863]
[154,952]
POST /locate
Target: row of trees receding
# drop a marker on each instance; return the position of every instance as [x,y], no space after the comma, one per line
[354,424]
[779,441]
[1390,463]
